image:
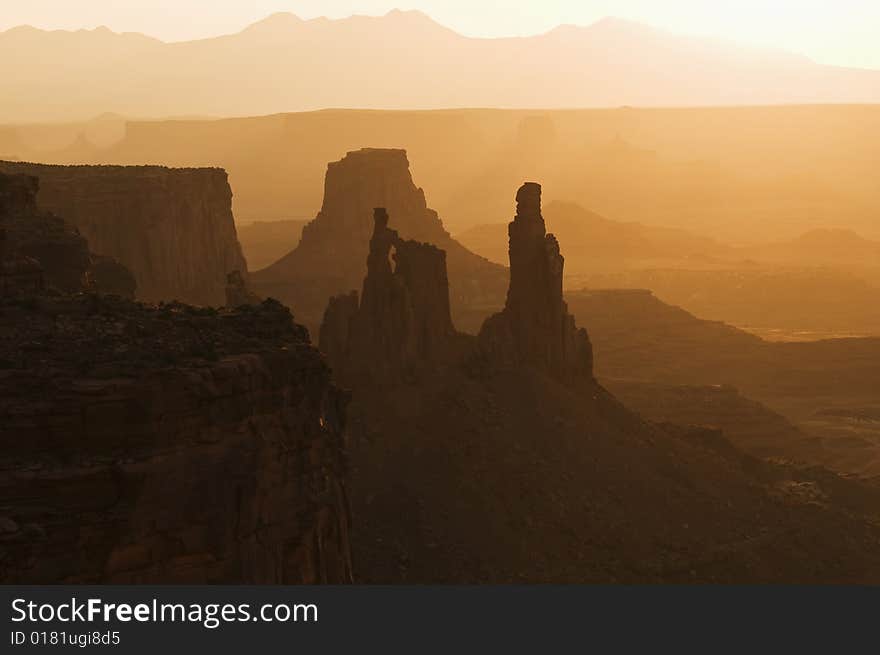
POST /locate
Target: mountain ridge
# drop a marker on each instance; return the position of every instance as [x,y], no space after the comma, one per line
[402,60]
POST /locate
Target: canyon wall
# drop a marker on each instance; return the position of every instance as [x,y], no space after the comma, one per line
[332,253]
[33,240]
[167,444]
[172,228]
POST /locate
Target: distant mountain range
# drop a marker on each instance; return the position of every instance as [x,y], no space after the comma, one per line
[400,60]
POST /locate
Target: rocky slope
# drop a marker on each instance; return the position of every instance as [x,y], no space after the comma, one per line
[167,444]
[330,258]
[639,339]
[172,228]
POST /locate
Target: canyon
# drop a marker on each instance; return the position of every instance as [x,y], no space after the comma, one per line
[157,443]
[508,463]
[479,437]
[676,366]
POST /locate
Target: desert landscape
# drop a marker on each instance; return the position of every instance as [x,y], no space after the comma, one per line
[294,305]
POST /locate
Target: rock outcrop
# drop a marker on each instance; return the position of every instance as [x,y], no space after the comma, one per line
[330,258]
[535,328]
[108,276]
[237,292]
[167,444]
[31,235]
[403,323]
[171,227]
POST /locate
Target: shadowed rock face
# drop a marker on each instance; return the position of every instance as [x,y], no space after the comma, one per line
[403,321]
[172,228]
[167,444]
[108,276]
[237,292]
[535,328]
[534,472]
[18,194]
[330,258]
[19,274]
[35,236]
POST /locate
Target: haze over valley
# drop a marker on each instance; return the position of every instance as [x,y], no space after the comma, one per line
[365,299]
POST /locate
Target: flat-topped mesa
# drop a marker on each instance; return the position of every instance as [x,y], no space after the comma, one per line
[173,228]
[535,328]
[402,323]
[332,253]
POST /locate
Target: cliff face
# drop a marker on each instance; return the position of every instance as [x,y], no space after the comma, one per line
[535,328]
[330,258]
[403,321]
[33,241]
[172,228]
[167,444]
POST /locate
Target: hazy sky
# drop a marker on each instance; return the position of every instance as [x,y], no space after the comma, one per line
[843,32]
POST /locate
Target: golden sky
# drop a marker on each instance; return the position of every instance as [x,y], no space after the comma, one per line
[841,32]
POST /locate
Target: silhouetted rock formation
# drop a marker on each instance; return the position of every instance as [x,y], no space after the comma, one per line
[30,234]
[403,322]
[173,228]
[535,328]
[336,329]
[331,254]
[237,292]
[167,444]
[108,276]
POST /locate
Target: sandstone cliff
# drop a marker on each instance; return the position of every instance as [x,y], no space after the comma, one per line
[403,322]
[535,328]
[33,237]
[167,444]
[173,228]
[330,258]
